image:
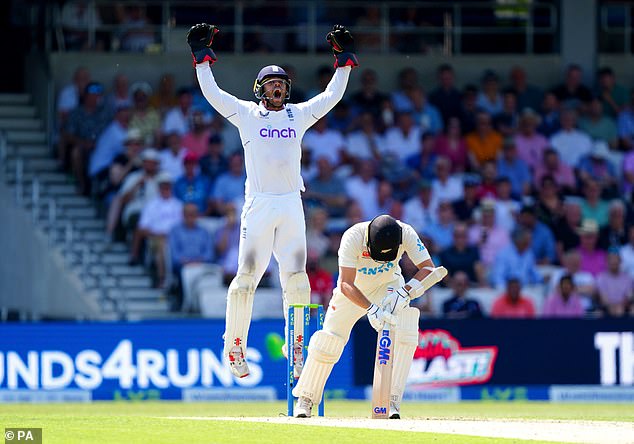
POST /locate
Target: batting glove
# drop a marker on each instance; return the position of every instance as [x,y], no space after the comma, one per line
[199,38]
[379,317]
[342,46]
[396,301]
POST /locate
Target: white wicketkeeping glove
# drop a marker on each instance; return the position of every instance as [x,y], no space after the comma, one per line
[394,302]
[379,317]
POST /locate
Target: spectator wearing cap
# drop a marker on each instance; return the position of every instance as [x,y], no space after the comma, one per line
[516,259]
[569,142]
[363,188]
[196,139]
[515,169]
[464,208]
[506,208]
[486,235]
[552,166]
[484,143]
[542,239]
[530,144]
[566,230]
[423,163]
[593,207]
[446,187]
[565,302]
[599,126]
[452,145]
[326,191]
[192,186]
[460,257]
[85,123]
[403,139]
[528,95]
[596,166]
[158,217]
[145,118]
[615,233]
[120,94]
[189,243]
[138,188]
[214,162]
[489,98]
[459,306]
[550,114]
[615,287]
[593,258]
[421,210]
[613,96]
[229,187]
[109,143]
[178,118]
[441,231]
[512,304]
[506,122]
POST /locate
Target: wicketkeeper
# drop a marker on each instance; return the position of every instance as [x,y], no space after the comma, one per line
[370,283]
[272,219]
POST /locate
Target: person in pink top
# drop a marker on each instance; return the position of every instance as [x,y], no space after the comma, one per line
[487,235]
[564,303]
[616,288]
[530,144]
[452,145]
[593,259]
[512,304]
[552,166]
[196,139]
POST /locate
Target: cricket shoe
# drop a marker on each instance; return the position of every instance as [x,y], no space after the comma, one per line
[395,410]
[303,408]
[237,363]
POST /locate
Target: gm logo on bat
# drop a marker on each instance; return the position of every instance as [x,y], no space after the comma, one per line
[380,410]
[384,343]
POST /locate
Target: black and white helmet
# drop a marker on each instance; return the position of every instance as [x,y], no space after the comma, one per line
[267,73]
[384,238]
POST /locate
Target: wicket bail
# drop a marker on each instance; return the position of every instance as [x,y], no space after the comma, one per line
[290,370]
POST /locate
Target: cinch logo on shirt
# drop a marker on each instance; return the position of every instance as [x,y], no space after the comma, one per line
[274,133]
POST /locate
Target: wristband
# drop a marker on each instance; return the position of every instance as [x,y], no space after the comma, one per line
[414,285]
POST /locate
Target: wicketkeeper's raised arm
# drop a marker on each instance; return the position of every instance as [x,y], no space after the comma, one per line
[200,38]
[345,59]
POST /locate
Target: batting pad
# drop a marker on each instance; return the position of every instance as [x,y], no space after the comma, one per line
[323,352]
[239,311]
[296,291]
[406,341]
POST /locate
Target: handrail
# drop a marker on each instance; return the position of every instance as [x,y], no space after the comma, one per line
[457,19]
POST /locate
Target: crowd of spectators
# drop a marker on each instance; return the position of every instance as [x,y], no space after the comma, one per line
[511,186]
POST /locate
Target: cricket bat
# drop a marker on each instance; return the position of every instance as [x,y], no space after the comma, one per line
[384,359]
[382,383]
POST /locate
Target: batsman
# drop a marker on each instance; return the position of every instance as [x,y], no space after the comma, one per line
[370,283]
[272,219]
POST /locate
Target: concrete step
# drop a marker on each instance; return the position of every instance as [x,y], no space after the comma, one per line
[81,213]
[107,282]
[15,99]
[114,258]
[91,224]
[92,236]
[31,150]
[73,201]
[34,164]
[20,123]
[135,282]
[98,270]
[137,294]
[61,190]
[17,111]
[43,177]
[26,137]
[126,270]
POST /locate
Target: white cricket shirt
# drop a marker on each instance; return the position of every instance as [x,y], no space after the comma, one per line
[272,139]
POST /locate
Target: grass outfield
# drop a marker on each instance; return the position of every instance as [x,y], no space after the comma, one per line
[153,422]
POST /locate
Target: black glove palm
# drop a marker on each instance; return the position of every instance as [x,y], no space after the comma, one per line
[199,38]
[342,46]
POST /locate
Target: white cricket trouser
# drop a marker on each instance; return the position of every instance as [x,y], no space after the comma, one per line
[272,224]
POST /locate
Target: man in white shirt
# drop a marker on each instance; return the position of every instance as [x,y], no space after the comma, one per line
[569,142]
[324,142]
[178,118]
[403,139]
[272,219]
[370,283]
[363,189]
